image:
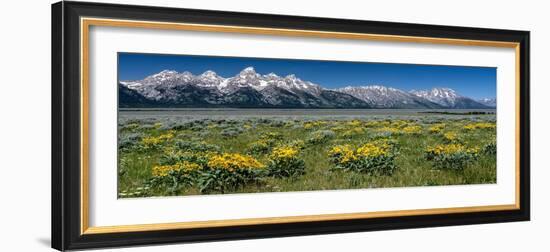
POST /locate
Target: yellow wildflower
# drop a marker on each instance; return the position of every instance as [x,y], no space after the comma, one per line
[480,125]
[399,123]
[284,152]
[388,129]
[354,123]
[436,128]
[344,152]
[314,124]
[148,141]
[372,123]
[164,170]
[234,161]
[450,136]
[353,131]
[447,149]
[372,150]
[413,129]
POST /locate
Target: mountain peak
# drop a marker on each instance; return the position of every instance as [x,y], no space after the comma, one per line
[272,75]
[447,92]
[210,73]
[437,92]
[162,75]
[491,102]
[378,96]
[443,88]
[381,88]
[249,69]
[372,87]
[448,98]
[168,72]
[291,77]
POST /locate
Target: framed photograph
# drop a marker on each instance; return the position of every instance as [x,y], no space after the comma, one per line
[181,125]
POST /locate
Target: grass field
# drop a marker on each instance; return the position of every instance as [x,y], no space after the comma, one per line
[162,157]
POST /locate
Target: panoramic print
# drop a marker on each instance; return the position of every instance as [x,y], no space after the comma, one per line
[191,125]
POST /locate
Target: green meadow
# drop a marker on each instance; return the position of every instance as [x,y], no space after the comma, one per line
[190,155]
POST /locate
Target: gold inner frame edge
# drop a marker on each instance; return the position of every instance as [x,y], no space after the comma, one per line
[86,23]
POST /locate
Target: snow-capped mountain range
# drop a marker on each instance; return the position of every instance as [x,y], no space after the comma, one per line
[170,88]
[491,102]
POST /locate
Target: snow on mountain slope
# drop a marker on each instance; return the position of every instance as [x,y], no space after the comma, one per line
[448,98]
[491,102]
[251,89]
[386,97]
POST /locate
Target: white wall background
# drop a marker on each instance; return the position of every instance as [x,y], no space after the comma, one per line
[25,125]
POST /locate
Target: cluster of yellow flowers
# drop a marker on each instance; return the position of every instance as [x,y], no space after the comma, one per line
[448,149]
[261,143]
[284,152]
[480,125]
[450,136]
[338,128]
[132,126]
[399,124]
[234,161]
[148,141]
[371,150]
[346,153]
[314,124]
[353,131]
[371,124]
[412,129]
[164,170]
[387,129]
[436,128]
[355,123]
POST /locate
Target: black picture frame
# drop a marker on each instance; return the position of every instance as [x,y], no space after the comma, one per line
[66,125]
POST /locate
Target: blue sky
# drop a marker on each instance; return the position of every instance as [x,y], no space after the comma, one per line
[474,82]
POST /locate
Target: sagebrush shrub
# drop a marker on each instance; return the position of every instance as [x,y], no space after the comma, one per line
[261,146]
[231,132]
[196,146]
[320,136]
[129,141]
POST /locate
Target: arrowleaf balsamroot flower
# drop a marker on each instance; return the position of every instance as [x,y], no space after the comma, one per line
[372,157]
[451,156]
[284,162]
[480,125]
[234,161]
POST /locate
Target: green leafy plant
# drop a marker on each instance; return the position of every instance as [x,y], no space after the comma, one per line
[229,171]
[451,156]
[284,162]
[376,157]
